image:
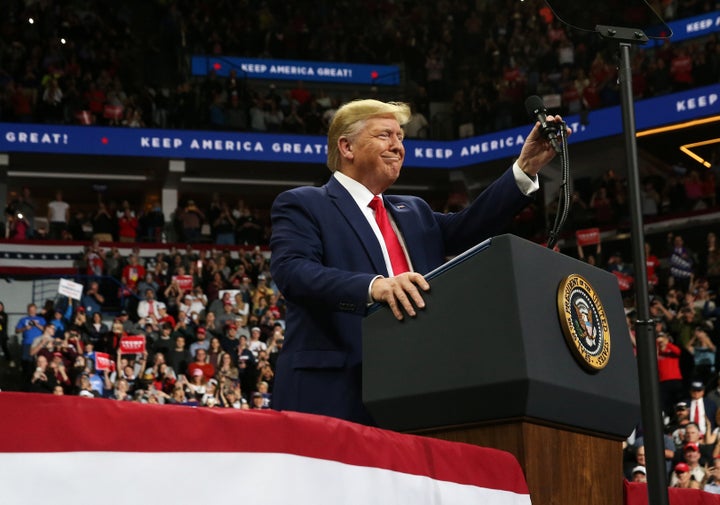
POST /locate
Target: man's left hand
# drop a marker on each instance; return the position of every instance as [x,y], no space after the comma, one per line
[537,150]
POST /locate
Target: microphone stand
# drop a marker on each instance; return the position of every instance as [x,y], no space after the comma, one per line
[644,327]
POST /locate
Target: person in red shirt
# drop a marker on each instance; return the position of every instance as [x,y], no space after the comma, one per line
[95,260]
[95,99]
[681,69]
[671,385]
[132,273]
[127,227]
[300,94]
[652,263]
[17,226]
[163,316]
[591,96]
[201,363]
[22,102]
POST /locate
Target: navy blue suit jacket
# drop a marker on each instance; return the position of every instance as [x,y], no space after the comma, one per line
[324,255]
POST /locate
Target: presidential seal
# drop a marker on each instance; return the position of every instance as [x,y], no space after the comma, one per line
[583,321]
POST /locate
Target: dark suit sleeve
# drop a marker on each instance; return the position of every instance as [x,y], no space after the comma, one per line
[489,214]
[298,263]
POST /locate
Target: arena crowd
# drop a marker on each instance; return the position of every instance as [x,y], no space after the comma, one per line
[202,325]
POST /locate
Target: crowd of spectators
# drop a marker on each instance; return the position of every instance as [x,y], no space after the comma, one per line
[210,322]
[677,190]
[211,319]
[683,283]
[217,222]
[94,63]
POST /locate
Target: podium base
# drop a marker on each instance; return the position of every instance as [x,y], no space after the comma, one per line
[561,467]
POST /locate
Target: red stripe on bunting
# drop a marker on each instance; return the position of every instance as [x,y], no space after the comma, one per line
[45,423]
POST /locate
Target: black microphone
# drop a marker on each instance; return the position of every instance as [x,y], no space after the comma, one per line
[536,110]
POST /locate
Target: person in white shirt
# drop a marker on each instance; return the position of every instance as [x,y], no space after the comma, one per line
[149,307]
[58,216]
[255,344]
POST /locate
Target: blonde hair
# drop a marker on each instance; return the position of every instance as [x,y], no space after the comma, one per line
[350,119]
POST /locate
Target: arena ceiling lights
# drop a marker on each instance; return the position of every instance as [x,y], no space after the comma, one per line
[700,150]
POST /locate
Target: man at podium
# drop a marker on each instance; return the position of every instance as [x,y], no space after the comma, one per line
[340,247]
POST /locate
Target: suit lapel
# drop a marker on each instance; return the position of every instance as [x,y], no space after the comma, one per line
[357,222]
[406,218]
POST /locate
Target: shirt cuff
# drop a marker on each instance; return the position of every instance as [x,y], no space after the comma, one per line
[370,301]
[526,184]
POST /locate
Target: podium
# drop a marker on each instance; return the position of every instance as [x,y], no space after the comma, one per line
[488,362]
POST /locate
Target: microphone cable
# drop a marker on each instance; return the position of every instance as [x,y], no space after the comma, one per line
[564,197]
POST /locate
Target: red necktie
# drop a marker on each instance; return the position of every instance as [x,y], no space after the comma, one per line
[395,251]
[697,414]
[151,309]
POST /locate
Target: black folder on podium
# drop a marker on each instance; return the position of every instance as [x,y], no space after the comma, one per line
[489,346]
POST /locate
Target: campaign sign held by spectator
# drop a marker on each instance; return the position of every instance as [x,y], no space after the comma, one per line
[588,236]
[70,289]
[103,362]
[133,344]
[184,282]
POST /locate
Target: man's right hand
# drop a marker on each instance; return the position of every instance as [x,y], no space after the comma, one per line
[401,291]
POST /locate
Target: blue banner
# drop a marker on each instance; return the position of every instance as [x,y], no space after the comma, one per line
[179,144]
[294,70]
[690,28]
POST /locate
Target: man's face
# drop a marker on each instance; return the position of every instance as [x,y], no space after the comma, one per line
[682,413]
[692,434]
[692,457]
[639,477]
[377,154]
[696,394]
[640,456]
